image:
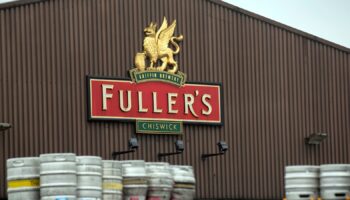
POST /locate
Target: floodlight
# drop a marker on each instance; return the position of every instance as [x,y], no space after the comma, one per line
[223,147]
[4,126]
[133,144]
[316,138]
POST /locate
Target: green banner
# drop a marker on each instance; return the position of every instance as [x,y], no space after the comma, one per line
[178,79]
[159,127]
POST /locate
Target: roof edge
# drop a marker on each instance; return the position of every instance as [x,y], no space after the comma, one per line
[281,25]
[17,3]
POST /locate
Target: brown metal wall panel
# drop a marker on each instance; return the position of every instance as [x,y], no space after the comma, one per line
[279,85]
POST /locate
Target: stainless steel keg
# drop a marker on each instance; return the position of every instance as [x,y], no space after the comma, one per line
[112,186]
[58,176]
[302,182]
[335,181]
[23,180]
[89,177]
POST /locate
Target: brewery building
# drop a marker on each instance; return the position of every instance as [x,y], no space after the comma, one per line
[231,93]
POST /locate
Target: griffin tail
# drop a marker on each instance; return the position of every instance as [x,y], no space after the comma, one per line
[177,48]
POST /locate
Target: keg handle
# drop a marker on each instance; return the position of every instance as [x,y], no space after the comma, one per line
[340,194]
[18,163]
[58,158]
[304,196]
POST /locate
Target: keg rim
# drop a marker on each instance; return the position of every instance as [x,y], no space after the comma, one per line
[90,157]
[89,160]
[302,167]
[27,162]
[323,166]
[57,157]
[157,163]
[57,154]
[24,158]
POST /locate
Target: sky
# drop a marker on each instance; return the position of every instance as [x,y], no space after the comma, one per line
[328,19]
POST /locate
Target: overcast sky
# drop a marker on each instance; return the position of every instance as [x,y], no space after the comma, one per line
[328,19]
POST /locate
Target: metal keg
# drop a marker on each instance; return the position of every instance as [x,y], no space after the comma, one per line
[134,180]
[112,187]
[301,182]
[23,180]
[160,181]
[58,176]
[184,182]
[89,177]
[335,181]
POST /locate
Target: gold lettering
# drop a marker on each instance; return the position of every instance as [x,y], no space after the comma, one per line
[189,100]
[207,104]
[141,109]
[171,102]
[121,101]
[106,96]
[155,108]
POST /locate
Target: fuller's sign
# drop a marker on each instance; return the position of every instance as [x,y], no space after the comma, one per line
[157,97]
[123,99]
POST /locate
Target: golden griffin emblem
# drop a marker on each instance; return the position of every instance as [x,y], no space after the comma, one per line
[155,48]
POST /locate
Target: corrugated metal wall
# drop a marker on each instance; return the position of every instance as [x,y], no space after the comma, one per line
[279,86]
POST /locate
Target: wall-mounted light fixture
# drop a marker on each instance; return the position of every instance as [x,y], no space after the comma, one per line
[4,126]
[223,147]
[315,138]
[179,146]
[133,145]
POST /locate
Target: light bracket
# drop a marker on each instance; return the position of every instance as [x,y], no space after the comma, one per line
[223,147]
[179,146]
[133,145]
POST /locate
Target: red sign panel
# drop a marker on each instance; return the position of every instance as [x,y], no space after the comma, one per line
[114,99]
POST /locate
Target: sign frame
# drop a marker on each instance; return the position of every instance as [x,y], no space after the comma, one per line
[88,103]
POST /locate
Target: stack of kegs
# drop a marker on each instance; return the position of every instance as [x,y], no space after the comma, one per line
[134,180]
[160,180]
[327,182]
[65,176]
[184,182]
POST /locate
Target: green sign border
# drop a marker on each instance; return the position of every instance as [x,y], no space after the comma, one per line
[134,73]
[159,132]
